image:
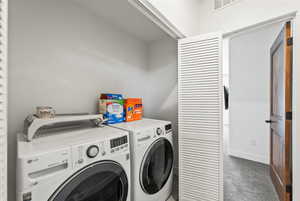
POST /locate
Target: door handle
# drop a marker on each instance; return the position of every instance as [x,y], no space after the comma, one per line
[270,121]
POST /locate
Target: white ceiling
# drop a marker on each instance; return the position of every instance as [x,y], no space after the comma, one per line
[122,14]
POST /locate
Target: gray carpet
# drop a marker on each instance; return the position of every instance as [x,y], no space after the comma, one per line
[247,181]
[243,180]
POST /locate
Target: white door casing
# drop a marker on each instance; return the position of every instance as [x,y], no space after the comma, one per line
[3,99]
[200,102]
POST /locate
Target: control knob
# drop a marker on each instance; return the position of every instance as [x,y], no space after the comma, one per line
[159,131]
[92,151]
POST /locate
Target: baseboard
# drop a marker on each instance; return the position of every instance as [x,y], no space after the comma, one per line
[247,156]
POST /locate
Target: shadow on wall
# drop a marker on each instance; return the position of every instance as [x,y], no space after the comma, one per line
[161,97]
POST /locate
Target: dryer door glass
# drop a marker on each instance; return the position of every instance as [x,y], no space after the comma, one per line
[104,181]
[157,166]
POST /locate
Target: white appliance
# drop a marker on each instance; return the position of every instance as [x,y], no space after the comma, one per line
[82,165]
[152,158]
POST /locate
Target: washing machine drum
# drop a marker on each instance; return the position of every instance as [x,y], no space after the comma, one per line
[103,181]
[157,166]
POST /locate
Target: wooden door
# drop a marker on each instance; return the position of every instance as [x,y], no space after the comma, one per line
[281,113]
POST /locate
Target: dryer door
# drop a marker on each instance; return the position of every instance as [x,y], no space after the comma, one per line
[157,166]
[103,181]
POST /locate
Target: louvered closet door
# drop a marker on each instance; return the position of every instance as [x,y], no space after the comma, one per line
[3,100]
[200,118]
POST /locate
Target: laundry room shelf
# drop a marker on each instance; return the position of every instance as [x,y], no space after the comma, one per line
[34,123]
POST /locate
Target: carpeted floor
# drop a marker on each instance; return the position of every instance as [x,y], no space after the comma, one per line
[243,180]
[246,180]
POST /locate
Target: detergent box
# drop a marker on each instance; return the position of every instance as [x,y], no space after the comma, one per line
[133,109]
[112,108]
[111,96]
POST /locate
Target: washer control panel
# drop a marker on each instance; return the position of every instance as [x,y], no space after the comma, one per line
[90,152]
[118,144]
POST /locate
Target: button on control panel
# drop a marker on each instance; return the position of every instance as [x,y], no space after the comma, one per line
[27,196]
[102,149]
[78,156]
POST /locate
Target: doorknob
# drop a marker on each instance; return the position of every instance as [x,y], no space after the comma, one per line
[270,121]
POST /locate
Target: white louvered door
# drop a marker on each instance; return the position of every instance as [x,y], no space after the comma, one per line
[200,95]
[3,99]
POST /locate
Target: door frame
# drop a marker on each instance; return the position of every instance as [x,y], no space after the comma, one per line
[294,17]
[278,19]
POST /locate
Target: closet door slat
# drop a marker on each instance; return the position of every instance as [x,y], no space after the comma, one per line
[3,99]
[200,101]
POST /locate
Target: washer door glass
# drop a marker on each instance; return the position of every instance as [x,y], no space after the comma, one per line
[104,181]
[157,166]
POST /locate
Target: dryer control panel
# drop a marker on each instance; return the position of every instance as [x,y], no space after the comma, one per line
[168,128]
[147,135]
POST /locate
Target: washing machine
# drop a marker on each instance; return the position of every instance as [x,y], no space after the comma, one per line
[82,165]
[152,158]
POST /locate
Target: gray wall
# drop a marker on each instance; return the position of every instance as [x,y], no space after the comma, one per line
[62,56]
[249,79]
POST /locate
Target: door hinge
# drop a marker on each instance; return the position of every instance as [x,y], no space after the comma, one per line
[290,41]
[289,188]
[289,116]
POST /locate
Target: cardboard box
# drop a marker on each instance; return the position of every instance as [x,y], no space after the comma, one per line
[111,96]
[112,110]
[133,109]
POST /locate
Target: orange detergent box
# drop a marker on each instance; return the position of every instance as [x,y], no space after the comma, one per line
[133,109]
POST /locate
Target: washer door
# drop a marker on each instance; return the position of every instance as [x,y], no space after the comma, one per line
[157,166]
[103,181]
